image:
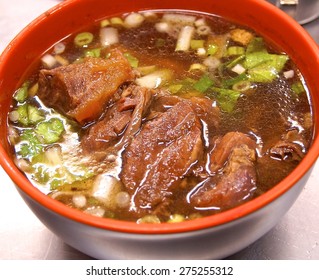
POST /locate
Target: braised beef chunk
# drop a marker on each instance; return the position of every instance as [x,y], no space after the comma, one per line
[287,150]
[161,155]
[207,111]
[225,146]
[123,119]
[236,184]
[81,90]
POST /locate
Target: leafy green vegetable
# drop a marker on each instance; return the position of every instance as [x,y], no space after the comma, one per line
[50,131]
[203,84]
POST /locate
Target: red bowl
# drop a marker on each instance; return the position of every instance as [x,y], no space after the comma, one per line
[222,234]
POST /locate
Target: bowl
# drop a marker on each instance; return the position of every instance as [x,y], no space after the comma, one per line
[212,237]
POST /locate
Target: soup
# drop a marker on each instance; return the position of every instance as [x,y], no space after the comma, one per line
[160,117]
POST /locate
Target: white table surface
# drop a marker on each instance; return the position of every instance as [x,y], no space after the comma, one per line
[23,236]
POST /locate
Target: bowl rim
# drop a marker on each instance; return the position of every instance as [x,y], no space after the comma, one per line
[165,228]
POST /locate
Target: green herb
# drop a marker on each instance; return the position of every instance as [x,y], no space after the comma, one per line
[30,144]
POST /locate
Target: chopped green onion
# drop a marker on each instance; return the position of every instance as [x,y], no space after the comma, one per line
[203,84]
[276,61]
[133,20]
[230,82]
[184,38]
[212,49]
[264,67]
[234,62]
[132,60]
[116,21]
[145,70]
[176,218]
[196,44]
[104,23]
[242,86]
[22,93]
[155,79]
[175,88]
[226,98]
[256,45]
[197,66]
[108,36]
[297,88]
[83,39]
[50,131]
[29,114]
[235,50]
[93,53]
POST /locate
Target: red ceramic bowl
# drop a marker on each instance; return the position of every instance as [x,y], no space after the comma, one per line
[212,237]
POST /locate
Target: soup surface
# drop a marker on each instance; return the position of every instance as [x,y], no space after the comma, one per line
[160,117]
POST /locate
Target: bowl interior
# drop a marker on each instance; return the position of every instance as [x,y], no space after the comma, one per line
[72,15]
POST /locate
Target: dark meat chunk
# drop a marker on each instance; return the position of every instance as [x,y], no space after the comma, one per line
[287,150]
[81,90]
[207,111]
[123,119]
[236,184]
[159,157]
[224,147]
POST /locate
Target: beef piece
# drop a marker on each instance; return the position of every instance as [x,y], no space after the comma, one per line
[159,157]
[287,150]
[224,147]
[123,119]
[81,90]
[236,185]
[207,111]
